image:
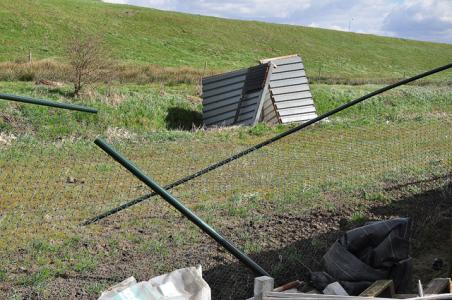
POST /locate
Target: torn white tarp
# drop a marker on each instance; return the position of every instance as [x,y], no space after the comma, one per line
[182,284]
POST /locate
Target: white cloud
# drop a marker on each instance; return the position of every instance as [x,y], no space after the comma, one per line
[425,20]
[416,19]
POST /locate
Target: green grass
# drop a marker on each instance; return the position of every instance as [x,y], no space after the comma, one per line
[397,137]
[162,113]
[330,166]
[148,36]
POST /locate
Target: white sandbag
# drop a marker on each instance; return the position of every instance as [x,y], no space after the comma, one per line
[182,284]
[186,282]
[129,289]
[112,291]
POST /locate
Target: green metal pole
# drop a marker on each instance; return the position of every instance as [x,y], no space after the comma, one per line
[180,207]
[48,103]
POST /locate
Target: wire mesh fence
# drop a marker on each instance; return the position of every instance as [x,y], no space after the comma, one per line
[283,205]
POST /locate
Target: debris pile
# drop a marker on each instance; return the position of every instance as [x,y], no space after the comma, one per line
[376,251]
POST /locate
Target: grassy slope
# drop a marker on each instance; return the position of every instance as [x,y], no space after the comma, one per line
[42,240]
[173,39]
[143,109]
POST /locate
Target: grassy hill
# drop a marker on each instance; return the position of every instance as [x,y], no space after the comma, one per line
[383,158]
[148,36]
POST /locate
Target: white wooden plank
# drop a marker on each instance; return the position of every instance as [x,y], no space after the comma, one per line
[294,103]
[288,82]
[287,60]
[289,74]
[290,89]
[286,68]
[296,110]
[267,60]
[292,96]
[298,118]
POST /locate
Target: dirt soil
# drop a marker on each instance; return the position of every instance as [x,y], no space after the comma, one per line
[291,245]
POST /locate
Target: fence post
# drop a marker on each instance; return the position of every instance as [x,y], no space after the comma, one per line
[261,285]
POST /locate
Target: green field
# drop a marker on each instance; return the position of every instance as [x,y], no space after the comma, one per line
[146,36]
[348,168]
[284,204]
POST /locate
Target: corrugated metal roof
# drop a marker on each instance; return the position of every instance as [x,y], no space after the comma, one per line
[234,98]
[276,91]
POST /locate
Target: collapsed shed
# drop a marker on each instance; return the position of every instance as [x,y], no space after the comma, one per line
[276,91]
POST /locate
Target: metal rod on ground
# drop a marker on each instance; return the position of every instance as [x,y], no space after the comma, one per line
[180,207]
[48,103]
[265,143]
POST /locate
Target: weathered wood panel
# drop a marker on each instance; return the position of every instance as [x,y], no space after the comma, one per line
[288,82]
[298,118]
[293,96]
[296,110]
[286,68]
[289,74]
[290,90]
[295,103]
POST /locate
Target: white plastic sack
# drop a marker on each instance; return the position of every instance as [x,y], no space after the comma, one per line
[182,284]
[187,282]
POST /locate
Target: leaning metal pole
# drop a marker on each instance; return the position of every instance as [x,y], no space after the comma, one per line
[266,143]
[180,207]
[48,103]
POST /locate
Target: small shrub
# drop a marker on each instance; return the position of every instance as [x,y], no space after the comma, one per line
[259,130]
[87,58]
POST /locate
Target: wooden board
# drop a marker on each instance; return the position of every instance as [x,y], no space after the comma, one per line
[380,288]
[438,286]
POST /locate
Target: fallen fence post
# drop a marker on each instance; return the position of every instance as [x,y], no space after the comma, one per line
[48,103]
[267,142]
[242,257]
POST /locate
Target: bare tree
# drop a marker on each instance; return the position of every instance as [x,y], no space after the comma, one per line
[87,59]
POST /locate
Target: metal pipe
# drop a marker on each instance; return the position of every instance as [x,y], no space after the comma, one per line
[180,207]
[265,143]
[48,103]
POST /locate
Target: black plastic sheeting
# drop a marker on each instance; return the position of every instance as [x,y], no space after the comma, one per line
[378,250]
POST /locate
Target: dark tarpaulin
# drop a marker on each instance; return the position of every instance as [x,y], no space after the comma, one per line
[378,250]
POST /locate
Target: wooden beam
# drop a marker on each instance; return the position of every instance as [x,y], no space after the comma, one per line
[380,288]
[437,286]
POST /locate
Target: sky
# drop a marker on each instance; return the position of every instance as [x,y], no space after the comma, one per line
[427,20]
